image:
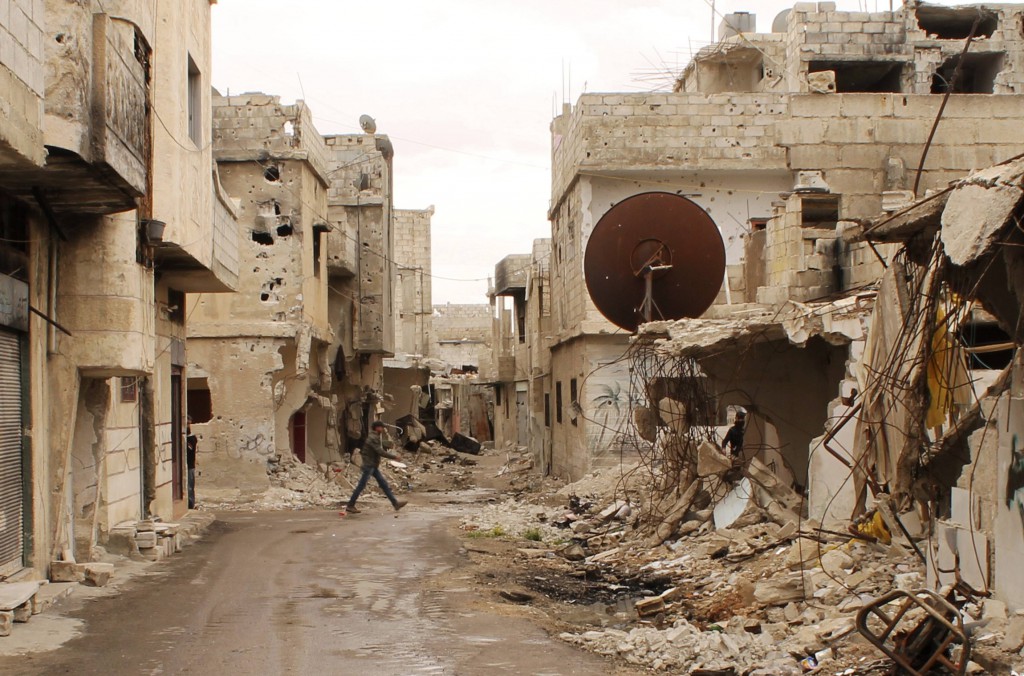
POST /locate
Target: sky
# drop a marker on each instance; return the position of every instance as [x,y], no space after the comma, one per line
[466,91]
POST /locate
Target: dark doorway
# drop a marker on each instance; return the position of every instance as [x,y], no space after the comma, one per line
[298,432]
[177,436]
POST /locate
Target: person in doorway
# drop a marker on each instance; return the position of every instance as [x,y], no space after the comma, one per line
[376,446]
[734,437]
[191,443]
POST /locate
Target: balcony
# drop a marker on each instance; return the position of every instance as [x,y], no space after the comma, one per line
[97,126]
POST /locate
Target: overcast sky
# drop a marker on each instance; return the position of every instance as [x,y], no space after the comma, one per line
[466,90]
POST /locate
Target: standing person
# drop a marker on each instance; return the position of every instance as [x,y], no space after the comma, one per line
[191,443]
[734,437]
[375,447]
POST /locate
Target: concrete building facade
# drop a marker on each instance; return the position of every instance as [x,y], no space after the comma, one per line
[259,357]
[780,137]
[111,214]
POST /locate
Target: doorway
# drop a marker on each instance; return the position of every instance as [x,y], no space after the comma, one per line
[298,434]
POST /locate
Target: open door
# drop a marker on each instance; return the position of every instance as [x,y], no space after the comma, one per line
[298,433]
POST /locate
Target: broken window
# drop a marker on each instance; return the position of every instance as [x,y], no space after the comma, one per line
[558,402]
[13,240]
[955,23]
[129,389]
[195,103]
[272,173]
[863,76]
[977,74]
[820,211]
[198,401]
[758,224]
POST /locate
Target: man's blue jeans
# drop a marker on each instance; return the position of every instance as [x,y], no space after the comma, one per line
[365,477]
[191,487]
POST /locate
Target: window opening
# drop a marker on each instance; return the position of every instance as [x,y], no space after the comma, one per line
[820,212]
[954,23]
[558,402]
[547,409]
[977,76]
[863,76]
[195,102]
[198,400]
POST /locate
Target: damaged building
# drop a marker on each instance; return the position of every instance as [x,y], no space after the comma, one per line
[111,211]
[783,139]
[259,358]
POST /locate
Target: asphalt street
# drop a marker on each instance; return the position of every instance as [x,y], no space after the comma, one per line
[310,592]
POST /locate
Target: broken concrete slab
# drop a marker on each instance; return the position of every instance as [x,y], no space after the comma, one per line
[780,590]
[6,622]
[976,212]
[711,460]
[734,504]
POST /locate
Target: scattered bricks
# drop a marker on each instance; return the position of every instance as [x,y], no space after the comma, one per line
[23,613]
[146,540]
[98,574]
[6,622]
[121,541]
[66,571]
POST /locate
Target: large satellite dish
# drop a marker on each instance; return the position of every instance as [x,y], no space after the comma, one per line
[654,256]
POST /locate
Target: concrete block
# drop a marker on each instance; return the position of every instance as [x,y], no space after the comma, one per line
[66,571]
[98,574]
[6,622]
[146,540]
[153,553]
[23,613]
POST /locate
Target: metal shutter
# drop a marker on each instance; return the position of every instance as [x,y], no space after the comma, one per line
[11,512]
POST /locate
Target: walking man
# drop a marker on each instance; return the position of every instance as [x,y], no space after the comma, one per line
[376,446]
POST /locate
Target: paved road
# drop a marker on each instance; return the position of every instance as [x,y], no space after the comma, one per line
[310,593]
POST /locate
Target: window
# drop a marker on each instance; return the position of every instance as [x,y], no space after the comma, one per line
[573,400]
[558,403]
[195,103]
[129,389]
[977,75]
[820,212]
[862,76]
[198,401]
[547,409]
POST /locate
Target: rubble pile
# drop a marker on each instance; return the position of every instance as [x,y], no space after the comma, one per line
[297,485]
[753,597]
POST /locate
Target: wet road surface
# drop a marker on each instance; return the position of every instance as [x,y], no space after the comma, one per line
[310,593]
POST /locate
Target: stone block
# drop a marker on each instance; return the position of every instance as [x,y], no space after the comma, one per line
[6,622]
[23,613]
[66,571]
[98,574]
[146,540]
[153,553]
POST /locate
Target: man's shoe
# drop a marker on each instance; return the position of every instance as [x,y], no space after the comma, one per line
[400,503]
[352,509]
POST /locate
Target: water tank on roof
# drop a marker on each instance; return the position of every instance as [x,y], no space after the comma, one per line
[736,23]
[780,22]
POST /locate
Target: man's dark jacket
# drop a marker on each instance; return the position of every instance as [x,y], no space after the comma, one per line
[374,448]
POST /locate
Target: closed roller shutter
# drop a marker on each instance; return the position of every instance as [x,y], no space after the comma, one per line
[11,514]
